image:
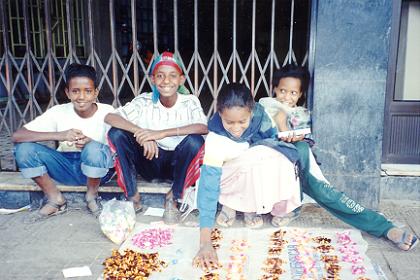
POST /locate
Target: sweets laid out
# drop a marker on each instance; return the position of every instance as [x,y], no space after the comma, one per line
[267,254]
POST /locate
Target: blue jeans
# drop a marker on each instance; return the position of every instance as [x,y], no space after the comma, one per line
[170,165]
[68,168]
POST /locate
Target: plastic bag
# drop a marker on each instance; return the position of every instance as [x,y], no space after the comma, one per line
[117,220]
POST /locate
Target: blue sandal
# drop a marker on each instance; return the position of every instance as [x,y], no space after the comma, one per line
[413,243]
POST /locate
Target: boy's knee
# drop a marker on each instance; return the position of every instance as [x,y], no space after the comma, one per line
[23,151]
[115,134]
[96,154]
[194,142]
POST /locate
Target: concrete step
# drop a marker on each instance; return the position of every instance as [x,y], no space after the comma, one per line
[13,181]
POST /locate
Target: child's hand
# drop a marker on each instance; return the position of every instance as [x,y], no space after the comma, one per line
[150,150]
[291,138]
[82,142]
[71,135]
[145,135]
[206,258]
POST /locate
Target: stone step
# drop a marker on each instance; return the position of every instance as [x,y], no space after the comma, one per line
[13,181]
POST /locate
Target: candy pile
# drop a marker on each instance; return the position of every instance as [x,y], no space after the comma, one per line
[273,264]
[350,254]
[153,238]
[216,236]
[323,245]
[235,266]
[131,265]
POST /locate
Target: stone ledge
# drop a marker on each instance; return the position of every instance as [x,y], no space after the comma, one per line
[411,170]
[13,181]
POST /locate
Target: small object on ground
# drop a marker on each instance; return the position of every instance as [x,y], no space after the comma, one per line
[156,212]
[77,271]
[5,211]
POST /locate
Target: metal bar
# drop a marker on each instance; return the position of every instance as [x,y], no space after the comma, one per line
[29,70]
[273,22]
[292,11]
[215,63]
[69,16]
[234,42]
[311,56]
[196,47]
[48,31]
[91,34]
[8,66]
[253,48]
[116,101]
[175,26]
[155,30]
[135,51]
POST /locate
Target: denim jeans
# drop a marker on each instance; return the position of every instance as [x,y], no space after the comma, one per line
[68,168]
[170,165]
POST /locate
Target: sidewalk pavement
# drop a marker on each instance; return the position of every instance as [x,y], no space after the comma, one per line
[43,249]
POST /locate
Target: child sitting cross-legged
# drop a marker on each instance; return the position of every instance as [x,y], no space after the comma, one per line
[83,156]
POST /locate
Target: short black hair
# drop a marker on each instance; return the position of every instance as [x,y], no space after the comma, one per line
[234,95]
[80,70]
[292,71]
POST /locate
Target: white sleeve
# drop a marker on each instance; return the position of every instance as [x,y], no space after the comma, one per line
[47,122]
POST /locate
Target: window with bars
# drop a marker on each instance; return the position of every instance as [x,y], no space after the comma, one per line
[37,33]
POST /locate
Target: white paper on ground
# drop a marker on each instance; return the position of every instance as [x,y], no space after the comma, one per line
[5,211]
[152,211]
[77,271]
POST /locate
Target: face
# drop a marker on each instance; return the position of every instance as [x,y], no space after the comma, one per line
[82,93]
[288,91]
[167,80]
[236,120]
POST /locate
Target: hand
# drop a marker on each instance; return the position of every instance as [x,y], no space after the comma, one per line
[82,142]
[150,150]
[291,138]
[144,135]
[206,258]
[71,135]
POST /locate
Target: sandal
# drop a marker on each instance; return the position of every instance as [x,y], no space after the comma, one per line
[136,203]
[38,216]
[281,221]
[94,205]
[402,241]
[252,220]
[226,217]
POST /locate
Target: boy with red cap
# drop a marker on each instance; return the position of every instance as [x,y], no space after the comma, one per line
[158,133]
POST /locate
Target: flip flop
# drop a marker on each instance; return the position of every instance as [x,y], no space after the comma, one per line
[281,221]
[37,216]
[224,220]
[400,243]
[253,221]
[94,205]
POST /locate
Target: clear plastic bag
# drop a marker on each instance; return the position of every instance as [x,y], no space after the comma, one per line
[117,220]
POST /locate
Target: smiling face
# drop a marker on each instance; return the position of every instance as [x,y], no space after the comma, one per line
[288,91]
[167,80]
[82,93]
[236,120]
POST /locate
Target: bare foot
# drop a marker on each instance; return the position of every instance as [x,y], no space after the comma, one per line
[48,209]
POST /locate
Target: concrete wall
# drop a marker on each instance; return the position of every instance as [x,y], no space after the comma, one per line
[350,71]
